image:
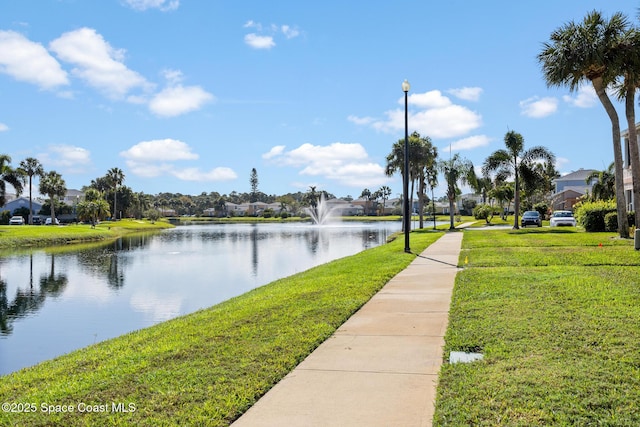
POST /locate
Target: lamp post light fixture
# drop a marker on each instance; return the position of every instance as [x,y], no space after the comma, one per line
[405,173]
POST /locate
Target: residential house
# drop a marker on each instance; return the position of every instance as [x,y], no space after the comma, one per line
[570,187]
[23,202]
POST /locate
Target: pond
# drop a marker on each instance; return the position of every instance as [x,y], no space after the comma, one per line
[56,300]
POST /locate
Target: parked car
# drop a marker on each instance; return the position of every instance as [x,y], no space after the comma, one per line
[48,221]
[562,218]
[37,220]
[531,218]
[16,220]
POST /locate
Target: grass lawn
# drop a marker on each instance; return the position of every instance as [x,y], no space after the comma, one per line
[208,367]
[20,236]
[556,314]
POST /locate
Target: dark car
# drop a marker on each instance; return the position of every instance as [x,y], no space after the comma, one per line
[531,218]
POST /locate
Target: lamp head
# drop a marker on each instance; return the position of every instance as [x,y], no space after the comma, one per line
[405,86]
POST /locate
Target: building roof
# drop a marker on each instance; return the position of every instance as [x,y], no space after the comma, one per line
[579,175]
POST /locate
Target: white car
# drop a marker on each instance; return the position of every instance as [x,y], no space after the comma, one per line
[562,218]
[48,221]
[16,220]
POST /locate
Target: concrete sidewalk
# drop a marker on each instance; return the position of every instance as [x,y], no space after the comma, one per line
[380,368]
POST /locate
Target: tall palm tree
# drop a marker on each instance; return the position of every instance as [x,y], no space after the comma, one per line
[455,170]
[627,61]
[587,52]
[115,177]
[10,176]
[422,159]
[385,193]
[31,167]
[53,186]
[514,161]
[604,186]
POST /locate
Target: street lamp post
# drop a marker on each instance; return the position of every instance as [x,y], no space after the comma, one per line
[405,175]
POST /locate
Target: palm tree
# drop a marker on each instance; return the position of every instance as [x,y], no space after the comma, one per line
[115,177]
[604,186]
[627,62]
[10,176]
[515,161]
[31,167]
[587,51]
[53,185]
[94,207]
[385,193]
[456,170]
[422,159]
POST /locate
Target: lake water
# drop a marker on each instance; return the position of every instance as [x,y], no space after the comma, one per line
[53,302]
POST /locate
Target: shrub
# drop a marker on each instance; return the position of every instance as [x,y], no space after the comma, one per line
[611,221]
[591,215]
[483,212]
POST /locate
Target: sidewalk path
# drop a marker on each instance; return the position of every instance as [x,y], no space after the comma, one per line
[380,368]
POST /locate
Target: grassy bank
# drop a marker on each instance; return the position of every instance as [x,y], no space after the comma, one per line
[20,236]
[556,314]
[208,367]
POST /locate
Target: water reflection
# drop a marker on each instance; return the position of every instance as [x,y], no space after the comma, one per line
[29,300]
[55,300]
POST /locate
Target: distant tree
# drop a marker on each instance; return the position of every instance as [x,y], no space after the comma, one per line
[369,197]
[515,161]
[53,186]
[455,170]
[422,162]
[31,167]
[385,193]
[253,180]
[115,177]
[10,176]
[93,207]
[604,186]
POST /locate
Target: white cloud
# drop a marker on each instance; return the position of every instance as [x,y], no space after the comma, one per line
[585,98]
[360,120]
[561,162]
[448,122]
[163,5]
[471,142]
[431,99]
[159,150]
[71,159]
[432,114]
[289,32]
[259,42]
[97,63]
[536,107]
[155,158]
[177,100]
[3,127]
[195,174]
[467,93]
[275,151]
[348,164]
[29,62]
[263,37]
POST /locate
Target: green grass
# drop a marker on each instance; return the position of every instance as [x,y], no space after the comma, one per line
[14,236]
[557,318]
[209,367]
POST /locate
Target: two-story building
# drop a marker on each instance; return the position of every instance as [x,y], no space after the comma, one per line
[570,187]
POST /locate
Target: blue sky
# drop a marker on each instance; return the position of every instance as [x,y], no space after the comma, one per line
[188,96]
